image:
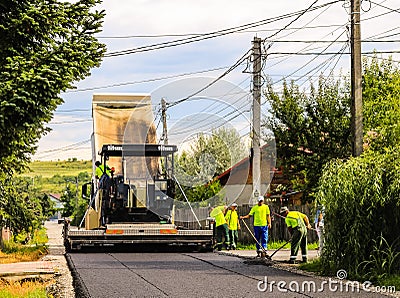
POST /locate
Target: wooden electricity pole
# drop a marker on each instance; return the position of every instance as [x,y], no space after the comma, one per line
[164,120]
[356,80]
[256,155]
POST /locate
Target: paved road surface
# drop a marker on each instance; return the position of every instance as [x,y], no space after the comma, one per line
[193,275]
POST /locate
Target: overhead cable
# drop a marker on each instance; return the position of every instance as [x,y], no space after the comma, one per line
[292,21]
[148,80]
[209,35]
[236,64]
[198,34]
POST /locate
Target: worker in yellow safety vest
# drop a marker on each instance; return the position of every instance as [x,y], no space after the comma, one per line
[297,224]
[221,226]
[100,170]
[232,219]
[262,223]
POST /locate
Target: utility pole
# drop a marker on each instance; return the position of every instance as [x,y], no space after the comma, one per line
[256,155]
[356,80]
[168,165]
[164,120]
[76,193]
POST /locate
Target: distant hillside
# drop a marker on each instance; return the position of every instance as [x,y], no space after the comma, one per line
[48,169]
[54,176]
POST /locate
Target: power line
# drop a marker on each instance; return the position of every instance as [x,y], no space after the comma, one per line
[332,53]
[186,130]
[291,22]
[381,58]
[227,93]
[286,57]
[66,148]
[198,33]
[388,8]
[309,22]
[70,121]
[387,31]
[331,41]
[148,80]
[322,65]
[308,62]
[236,64]
[209,35]
[380,15]
[72,111]
[210,125]
[202,33]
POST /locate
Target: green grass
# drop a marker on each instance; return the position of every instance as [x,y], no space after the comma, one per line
[25,290]
[47,169]
[53,176]
[275,245]
[312,266]
[391,281]
[16,252]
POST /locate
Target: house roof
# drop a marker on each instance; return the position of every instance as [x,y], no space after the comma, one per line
[55,196]
[237,165]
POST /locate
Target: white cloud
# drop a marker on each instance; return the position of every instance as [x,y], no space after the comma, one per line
[150,17]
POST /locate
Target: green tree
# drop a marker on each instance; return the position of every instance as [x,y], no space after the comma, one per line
[45,46]
[310,129]
[210,193]
[381,106]
[48,206]
[22,206]
[208,157]
[361,205]
[361,194]
[69,199]
[74,206]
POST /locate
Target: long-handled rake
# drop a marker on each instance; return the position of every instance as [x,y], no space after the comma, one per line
[264,253]
[280,248]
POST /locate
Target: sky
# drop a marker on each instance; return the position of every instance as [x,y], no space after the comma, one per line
[175,73]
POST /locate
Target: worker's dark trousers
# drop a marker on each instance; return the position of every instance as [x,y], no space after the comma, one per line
[222,233]
[299,240]
[233,237]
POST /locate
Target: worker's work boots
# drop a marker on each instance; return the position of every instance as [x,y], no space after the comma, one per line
[261,253]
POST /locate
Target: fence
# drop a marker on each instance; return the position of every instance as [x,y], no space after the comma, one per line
[278,231]
[184,217]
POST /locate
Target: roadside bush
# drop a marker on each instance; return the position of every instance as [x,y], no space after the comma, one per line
[361,198]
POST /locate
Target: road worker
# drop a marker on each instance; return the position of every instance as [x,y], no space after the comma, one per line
[319,226]
[262,222]
[232,220]
[297,224]
[221,226]
[100,170]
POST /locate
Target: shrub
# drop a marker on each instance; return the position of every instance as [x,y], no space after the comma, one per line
[361,198]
